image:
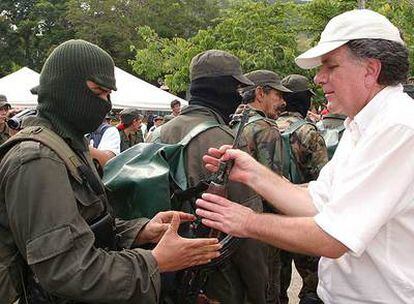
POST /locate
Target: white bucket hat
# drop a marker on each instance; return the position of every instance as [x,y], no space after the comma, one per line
[355,24]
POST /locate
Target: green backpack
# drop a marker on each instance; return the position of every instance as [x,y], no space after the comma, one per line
[289,167]
[142,180]
[332,133]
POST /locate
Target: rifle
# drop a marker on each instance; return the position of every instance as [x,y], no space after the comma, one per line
[193,279]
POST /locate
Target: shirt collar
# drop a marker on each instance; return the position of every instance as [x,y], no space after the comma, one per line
[365,117]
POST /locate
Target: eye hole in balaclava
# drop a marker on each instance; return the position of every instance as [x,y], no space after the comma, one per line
[64,97]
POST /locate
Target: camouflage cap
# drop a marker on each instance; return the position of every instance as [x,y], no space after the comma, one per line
[128,115]
[267,78]
[297,83]
[3,101]
[216,63]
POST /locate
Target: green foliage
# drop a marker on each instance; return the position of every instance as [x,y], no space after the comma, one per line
[113,24]
[29,30]
[262,35]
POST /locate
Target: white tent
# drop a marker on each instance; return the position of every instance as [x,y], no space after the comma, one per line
[16,86]
[136,93]
[132,92]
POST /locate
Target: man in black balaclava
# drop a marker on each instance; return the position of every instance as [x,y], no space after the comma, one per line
[58,242]
[215,78]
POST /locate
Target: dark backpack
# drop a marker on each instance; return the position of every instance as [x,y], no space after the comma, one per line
[96,135]
[146,178]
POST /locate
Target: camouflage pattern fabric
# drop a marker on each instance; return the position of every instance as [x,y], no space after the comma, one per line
[131,140]
[4,134]
[263,141]
[310,155]
[307,145]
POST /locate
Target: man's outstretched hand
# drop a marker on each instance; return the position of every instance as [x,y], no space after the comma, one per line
[174,252]
[156,227]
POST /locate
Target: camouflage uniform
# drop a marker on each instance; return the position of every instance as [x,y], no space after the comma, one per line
[309,150]
[263,141]
[127,141]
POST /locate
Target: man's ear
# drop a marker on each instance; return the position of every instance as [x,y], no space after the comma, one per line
[259,93]
[373,70]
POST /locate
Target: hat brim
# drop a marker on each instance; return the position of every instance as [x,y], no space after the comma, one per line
[243,79]
[312,57]
[279,87]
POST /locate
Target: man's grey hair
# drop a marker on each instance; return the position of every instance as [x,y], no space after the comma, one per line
[392,55]
[249,95]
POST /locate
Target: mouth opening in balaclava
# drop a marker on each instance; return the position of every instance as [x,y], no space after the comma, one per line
[217,93]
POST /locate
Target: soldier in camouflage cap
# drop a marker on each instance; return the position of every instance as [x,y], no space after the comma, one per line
[4,111]
[310,155]
[262,137]
[215,78]
[130,130]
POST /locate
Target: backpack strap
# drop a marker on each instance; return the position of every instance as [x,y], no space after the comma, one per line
[198,129]
[53,141]
[97,135]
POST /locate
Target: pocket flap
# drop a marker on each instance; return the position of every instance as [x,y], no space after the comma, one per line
[49,245]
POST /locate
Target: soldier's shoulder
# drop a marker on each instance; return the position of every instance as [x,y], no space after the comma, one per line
[26,151]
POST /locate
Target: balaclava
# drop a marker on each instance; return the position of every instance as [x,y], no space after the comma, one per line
[298,102]
[64,98]
[218,93]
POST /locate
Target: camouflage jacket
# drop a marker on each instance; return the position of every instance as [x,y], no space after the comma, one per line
[4,134]
[307,146]
[262,138]
[131,140]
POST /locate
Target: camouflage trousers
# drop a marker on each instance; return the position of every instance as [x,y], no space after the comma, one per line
[307,267]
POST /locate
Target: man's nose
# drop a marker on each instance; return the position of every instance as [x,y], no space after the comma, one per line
[320,78]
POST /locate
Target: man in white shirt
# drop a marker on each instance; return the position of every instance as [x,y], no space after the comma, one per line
[105,143]
[359,214]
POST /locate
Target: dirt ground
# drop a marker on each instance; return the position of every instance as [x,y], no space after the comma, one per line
[295,286]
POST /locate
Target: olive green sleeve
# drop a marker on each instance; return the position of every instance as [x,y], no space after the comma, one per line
[58,244]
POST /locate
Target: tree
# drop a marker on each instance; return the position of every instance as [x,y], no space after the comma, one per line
[30,29]
[113,24]
[262,35]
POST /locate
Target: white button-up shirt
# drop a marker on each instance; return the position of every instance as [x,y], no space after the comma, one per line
[365,199]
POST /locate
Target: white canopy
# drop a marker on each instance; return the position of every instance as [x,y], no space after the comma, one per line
[16,86]
[136,93]
[132,92]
